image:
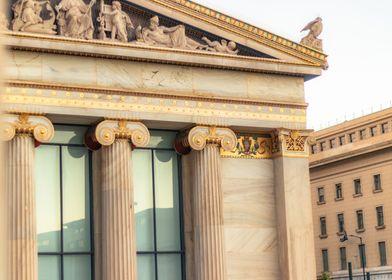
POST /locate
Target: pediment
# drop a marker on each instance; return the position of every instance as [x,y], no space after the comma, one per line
[251,40]
[170,24]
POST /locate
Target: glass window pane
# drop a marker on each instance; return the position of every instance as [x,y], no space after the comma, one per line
[142,170]
[162,139]
[167,200]
[169,267]
[69,134]
[77,267]
[76,199]
[47,180]
[146,267]
[48,267]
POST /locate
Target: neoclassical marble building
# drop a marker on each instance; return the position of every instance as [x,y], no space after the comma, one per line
[155,139]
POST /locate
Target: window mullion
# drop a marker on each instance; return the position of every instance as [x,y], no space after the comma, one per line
[154,215]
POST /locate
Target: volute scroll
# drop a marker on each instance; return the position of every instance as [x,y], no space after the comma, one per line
[40,127]
[108,131]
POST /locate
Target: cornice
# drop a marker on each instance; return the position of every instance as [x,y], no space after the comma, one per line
[244,29]
[115,50]
[355,124]
[343,152]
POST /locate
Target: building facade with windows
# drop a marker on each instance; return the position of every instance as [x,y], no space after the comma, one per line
[351,181]
[154,139]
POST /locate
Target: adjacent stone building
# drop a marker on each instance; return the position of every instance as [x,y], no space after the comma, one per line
[351,180]
[155,139]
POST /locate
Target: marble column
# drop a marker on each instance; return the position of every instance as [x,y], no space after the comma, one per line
[118,242]
[293,205]
[207,197]
[22,132]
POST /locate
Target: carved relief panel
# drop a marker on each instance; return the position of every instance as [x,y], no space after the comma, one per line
[118,21]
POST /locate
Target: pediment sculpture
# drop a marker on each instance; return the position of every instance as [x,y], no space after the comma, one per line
[116,21]
[170,37]
[4,24]
[315,28]
[27,17]
[221,47]
[74,19]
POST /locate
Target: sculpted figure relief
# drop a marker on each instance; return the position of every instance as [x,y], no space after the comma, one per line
[4,24]
[221,47]
[116,21]
[315,28]
[27,17]
[74,19]
[162,36]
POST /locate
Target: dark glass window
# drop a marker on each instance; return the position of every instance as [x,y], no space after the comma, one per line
[343,258]
[157,196]
[373,131]
[357,186]
[323,226]
[351,137]
[384,128]
[362,134]
[314,149]
[341,222]
[342,140]
[339,191]
[332,143]
[360,224]
[362,255]
[323,146]
[321,196]
[324,253]
[377,182]
[64,203]
[383,253]
[380,216]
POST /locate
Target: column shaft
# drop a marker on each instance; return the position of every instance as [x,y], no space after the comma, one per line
[208,215]
[22,209]
[118,234]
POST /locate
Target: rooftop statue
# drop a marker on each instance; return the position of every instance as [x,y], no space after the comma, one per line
[315,28]
[115,20]
[27,17]
[221,47]
[4,24]
[74,19]
[162,36]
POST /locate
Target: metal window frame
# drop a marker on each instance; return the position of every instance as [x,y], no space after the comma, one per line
[61,253]
[343,261]
[155,253]
[383,257]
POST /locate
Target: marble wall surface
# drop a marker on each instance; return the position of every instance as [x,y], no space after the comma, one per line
[249,218]
[152,77]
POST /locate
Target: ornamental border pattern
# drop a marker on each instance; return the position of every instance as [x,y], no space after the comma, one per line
[125,92]
[129,106]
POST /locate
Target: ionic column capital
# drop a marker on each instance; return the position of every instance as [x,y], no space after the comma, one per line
[39,127]
[107,131]
[198,137]
[291,143]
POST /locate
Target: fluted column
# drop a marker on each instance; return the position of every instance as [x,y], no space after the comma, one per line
[22,132]
[209,243]
[118,241]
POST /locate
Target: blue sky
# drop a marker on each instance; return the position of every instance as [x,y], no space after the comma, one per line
[357,37]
